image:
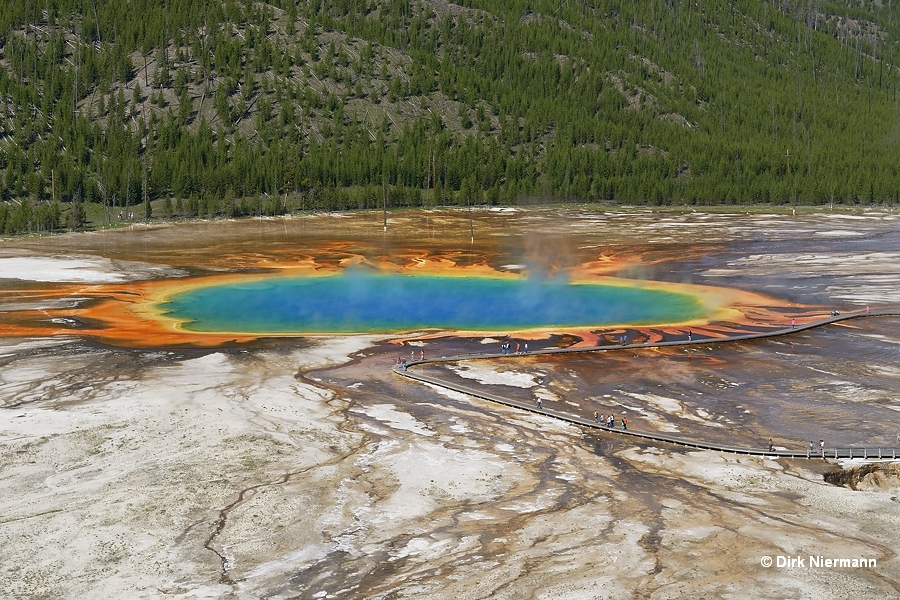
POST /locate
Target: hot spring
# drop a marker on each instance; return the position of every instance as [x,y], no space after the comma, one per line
[376,303]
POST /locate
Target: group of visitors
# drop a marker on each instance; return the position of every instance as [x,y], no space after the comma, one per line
[401,362]
[809,449]
[609,420]
[506,348]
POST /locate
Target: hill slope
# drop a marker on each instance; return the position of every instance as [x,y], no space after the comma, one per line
[244,107]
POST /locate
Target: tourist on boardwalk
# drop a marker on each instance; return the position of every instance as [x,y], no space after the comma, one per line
[822,446]
[624,423]
[422,354]
[771,446]
[518,347]
[610,421]
[539,403]
[793,322]
[526,347]
[596,416]
[810,450]
[690,336]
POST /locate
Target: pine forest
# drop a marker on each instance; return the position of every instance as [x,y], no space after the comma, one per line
[140,109]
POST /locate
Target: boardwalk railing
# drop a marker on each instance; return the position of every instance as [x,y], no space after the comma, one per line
[826,453]
[866,453]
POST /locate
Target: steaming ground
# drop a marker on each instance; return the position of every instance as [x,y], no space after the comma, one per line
[304,469]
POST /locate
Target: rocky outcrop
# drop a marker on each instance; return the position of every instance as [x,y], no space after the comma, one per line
[868,477]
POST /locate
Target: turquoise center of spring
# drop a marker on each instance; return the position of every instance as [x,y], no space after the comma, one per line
[365,303]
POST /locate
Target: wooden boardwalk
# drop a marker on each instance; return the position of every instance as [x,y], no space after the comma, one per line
[829,453]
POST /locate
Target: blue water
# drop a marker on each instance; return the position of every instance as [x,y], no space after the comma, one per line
[362,303]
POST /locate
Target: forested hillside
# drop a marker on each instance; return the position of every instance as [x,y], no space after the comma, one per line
[195,107]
